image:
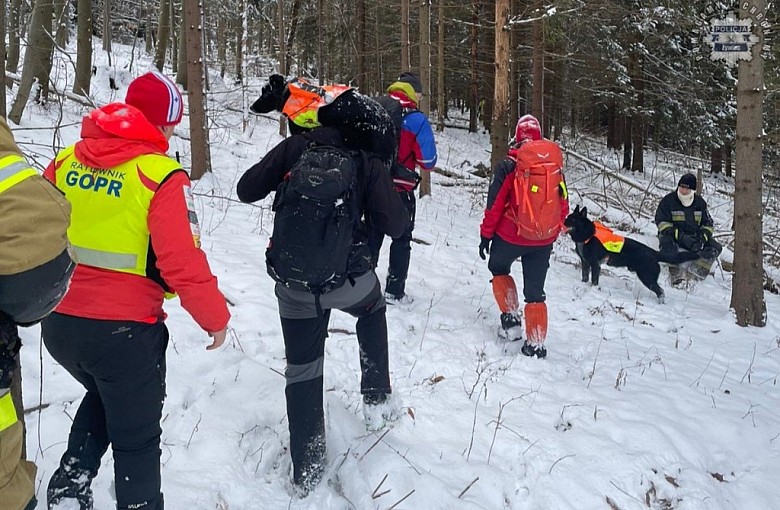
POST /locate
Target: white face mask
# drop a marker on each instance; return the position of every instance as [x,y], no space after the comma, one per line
[686,200]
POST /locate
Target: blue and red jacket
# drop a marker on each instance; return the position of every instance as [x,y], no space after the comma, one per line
[417,146]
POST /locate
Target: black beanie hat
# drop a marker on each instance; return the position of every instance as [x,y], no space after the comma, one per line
[687,181]
[413,80]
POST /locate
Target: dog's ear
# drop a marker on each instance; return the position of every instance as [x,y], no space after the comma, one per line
[584,212]
[577,209]
[272,96]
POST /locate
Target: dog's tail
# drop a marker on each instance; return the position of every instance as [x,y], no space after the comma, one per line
[677,258]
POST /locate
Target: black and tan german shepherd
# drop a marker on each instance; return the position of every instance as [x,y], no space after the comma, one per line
[637,257]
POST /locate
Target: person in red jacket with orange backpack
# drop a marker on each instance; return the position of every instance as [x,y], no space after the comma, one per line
[135,234]
[527,203]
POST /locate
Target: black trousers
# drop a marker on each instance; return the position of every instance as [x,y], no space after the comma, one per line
[535,261]
[122,366]
[400,249]
[304,343]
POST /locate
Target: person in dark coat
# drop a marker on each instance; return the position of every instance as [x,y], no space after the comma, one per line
[305,322]
[416,148]
[685,224]
[35,268]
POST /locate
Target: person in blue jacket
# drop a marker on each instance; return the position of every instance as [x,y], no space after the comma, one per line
[416,148]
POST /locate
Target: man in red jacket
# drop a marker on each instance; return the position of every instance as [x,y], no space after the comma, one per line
[527,203]
[136,237]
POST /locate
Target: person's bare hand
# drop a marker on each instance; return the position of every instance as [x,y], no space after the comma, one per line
[219,339]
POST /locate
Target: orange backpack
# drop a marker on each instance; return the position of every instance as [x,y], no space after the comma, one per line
[537,193]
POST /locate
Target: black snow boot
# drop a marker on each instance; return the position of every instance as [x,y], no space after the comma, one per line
[531,349]
[69,482]
[512,326]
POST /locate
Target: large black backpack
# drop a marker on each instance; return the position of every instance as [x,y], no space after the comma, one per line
[316,213]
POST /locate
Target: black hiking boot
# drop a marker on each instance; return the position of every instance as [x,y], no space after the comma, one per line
[70,483]
[531,350]
[512,326]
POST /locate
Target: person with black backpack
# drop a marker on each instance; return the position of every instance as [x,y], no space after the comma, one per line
[325,184]
[416,147]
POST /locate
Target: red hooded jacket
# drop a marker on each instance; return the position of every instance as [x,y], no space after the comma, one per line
[112,135]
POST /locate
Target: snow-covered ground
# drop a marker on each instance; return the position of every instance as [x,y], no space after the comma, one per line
[639,404]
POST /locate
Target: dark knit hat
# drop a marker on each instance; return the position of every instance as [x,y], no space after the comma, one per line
[413,80]
[687,181]
[157,97]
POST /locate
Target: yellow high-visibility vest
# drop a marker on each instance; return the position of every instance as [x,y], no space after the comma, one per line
[108,226]
[611,241]
[306,99]
[13,170]
[7,410]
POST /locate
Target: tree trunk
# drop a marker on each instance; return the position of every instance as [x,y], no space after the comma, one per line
[360,15]
[474,87]
[638,125]
[613,142]
[537,36]
[441,100]
[747,295]
[14,21]
[81,83]
[322,38]
[223,30]
[514,70]
[294,18]
[36,56]
[405,50]
[281,59]
[499,126]
[163,34]
[61,16]
[175,29]
[107,29]
[149,33]
[199,139]
[425,77]
[627,132]
[727,157]
[716,160]
[638,139]
[241,41]
[181,75]
[242,74]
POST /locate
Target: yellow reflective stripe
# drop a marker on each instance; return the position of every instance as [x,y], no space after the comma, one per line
[664,225]
[7,411]
[564,191]
[13,170]
[105,259]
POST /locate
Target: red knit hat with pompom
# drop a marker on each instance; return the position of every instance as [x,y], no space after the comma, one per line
[157,97]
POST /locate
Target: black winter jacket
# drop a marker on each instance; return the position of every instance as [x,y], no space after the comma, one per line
[378,200]
[691,221]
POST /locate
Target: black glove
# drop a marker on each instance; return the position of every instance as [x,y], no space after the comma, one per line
[9,347]
[705,235]
[689,242]
[484,246]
